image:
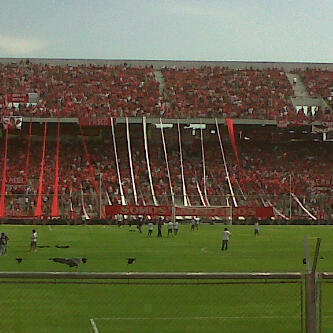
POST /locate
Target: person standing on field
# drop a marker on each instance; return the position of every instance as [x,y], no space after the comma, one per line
[225,239]
[175,228]
[139,225]
[192,223]
[256,229]
[159,228]
[150,228]
[170,228]
[33,243]
[3,244]
[120,219]
[197,221]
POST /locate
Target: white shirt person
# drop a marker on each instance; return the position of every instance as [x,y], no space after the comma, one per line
[225,239]
[170,228]
[33,243]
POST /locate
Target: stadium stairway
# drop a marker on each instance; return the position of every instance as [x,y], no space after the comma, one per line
[302,97]
[160,78]
[299,87]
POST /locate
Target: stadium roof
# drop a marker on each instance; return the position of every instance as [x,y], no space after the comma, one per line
[287,66]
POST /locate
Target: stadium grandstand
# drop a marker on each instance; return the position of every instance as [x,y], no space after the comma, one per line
[81,138]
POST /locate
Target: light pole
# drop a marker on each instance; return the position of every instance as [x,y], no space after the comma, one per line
[100,195]
[290,188]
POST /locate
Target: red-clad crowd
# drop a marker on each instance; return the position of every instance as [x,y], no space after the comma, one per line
[225,92]
[92,91]
[319,83]
[268,173]
[81,91]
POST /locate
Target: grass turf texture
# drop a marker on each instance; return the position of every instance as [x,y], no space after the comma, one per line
[171,307]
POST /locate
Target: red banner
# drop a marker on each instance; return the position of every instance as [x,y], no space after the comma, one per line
[38,211]
[231,129]
[261,212]
[96,121]
[18,98]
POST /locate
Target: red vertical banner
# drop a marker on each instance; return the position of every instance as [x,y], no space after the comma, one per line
[27,161]
[231,130]
[4,179]
[55,202]
[38,211]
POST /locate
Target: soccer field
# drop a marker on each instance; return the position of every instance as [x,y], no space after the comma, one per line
[161,306]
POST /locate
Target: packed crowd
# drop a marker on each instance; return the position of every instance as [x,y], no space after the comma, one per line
[319,83]
[225,92]
[268,173]
[81,91]
[91,91]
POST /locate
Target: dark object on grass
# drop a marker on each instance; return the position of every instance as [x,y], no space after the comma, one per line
[304,261]
[71,262]
[131,230]
[43,246]
[19,260]
[130,260]
[321,257]
[62,246]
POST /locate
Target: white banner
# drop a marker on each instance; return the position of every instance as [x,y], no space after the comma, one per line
[12,122]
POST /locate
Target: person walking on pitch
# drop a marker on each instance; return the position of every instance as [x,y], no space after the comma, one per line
[139,225]
[256,229]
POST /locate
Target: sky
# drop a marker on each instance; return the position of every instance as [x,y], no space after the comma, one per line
[221,30]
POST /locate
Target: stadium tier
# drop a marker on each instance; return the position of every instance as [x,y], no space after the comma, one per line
[207,136]
[183,167]
[94,91]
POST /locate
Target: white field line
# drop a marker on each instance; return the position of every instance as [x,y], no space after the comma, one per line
[194,318]
[94,326]
[50,228]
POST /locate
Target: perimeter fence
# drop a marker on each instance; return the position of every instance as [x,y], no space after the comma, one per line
[166,302]
[158,302]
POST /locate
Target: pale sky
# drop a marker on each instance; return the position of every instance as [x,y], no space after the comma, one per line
[244,30]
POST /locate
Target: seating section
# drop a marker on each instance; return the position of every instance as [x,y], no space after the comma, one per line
[319,83]
[82,91]
[268,172]
[225,92]
[101,91]
[91,91]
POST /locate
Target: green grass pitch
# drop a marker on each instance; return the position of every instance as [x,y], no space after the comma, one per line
[161,306]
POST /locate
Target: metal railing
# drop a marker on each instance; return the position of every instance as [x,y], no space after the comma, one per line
[24,205]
